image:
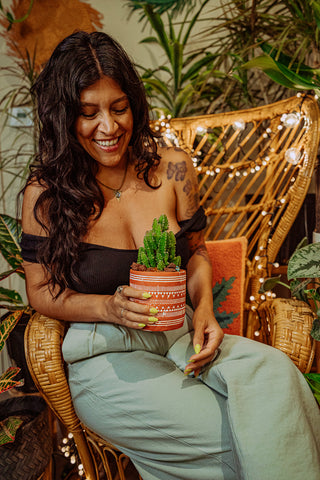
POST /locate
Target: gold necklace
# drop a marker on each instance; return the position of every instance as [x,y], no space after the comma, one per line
[116,191]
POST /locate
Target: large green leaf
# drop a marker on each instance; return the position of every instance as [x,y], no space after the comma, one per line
[270,68]
[280,68]
[10,233]
[11,297]
[7,325]
[305,262]
[286,60]
[313,380]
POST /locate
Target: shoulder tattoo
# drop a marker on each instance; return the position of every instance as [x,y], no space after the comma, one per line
[178,170]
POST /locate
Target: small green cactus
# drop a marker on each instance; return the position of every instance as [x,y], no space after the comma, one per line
[159,248]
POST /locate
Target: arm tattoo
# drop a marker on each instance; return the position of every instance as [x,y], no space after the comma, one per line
[178,170]
[202,251]
[197,245]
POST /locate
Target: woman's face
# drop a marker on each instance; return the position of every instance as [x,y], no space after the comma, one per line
[104,126]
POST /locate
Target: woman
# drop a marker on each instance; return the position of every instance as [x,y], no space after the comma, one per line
[185,404]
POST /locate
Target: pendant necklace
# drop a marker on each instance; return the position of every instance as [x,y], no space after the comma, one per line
[116,191]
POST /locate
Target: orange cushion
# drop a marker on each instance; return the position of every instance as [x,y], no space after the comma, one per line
[228,258]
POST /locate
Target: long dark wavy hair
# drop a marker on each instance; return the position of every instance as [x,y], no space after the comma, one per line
[71,195]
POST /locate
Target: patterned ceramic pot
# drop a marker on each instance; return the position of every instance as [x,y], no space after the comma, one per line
[168,291]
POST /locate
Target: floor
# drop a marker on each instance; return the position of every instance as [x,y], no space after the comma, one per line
[62,468]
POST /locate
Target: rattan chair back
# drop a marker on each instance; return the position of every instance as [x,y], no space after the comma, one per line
[254,168]
[43,340]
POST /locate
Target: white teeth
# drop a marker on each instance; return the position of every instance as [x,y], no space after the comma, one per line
[107,143]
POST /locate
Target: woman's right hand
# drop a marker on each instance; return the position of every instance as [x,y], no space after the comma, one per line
[124,310]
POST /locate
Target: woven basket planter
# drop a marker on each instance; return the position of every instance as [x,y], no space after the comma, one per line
[28,456]
[168,291]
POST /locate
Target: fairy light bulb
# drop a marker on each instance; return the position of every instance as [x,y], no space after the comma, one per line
[290,120]
[292,155]
[201,130]
[239,124]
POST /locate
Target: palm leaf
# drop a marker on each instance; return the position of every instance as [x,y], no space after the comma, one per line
[157,25]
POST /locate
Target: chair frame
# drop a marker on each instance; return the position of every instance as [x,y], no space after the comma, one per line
[288,332]
[252,142]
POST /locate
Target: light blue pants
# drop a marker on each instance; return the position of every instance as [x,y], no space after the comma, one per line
[249,415]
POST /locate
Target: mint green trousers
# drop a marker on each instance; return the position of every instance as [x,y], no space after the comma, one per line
[249,415]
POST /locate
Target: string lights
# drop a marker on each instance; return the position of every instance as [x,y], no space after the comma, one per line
[268,156]
[69,450]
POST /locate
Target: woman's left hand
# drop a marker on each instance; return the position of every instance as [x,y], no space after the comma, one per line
[208,335]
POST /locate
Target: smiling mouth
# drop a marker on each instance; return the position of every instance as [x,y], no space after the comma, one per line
[107,143]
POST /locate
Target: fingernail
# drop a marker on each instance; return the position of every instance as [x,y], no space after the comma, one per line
[141,325]
[146,295]
[153,310]
[197,374]
[187,371]
[152,319]
[197,348]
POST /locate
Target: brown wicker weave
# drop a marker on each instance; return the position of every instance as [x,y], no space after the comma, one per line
[286,325]
[247,186]
[248,189]
[43,339]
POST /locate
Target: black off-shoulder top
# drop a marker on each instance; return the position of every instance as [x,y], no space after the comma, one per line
[101,269]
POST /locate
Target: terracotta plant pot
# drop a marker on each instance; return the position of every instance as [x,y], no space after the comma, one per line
[168,291]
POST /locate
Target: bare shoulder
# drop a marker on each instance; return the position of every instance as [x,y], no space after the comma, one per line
[30,197]
[176,164]
[177,167]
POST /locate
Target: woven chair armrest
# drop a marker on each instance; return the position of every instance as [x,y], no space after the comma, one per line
[287,324]
[43,340]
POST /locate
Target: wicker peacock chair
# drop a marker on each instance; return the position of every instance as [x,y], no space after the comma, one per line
[254,167]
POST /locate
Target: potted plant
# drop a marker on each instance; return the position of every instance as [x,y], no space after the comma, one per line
[303,276]
[158,272]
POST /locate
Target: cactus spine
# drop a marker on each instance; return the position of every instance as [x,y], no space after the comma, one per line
[159,248]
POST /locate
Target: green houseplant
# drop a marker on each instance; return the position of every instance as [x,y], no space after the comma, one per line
[11,301]
[236,30]
[159,250]
[303,276]
[158,273]
[25,442]
[182,84]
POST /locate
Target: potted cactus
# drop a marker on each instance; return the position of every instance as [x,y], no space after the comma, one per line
[157,271]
